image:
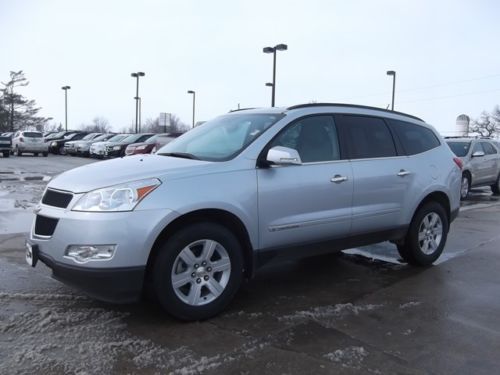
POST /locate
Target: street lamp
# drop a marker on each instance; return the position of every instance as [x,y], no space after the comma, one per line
[278,47]
[194,102]
[137,75]
[140,110]
[66,88]
[393,74]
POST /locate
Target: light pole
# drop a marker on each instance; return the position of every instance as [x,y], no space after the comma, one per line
[393,74]
[137,75]
[278,47]
[66,88]
[194,102]
[269,84]
[140,111]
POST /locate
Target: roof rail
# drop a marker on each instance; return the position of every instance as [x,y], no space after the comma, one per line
[241,109]
[351,105]
[467,136]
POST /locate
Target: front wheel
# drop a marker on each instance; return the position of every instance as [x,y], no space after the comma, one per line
[18,152]
[198,271]
[45,154]
[426,236]
[6,154]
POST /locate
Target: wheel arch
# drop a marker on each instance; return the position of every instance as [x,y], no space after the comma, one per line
[219,216]
[439,197]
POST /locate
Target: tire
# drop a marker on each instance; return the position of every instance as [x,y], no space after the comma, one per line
[6,154]
[431,223]
[495,188]
[465,186]
[36,154]
[45,154]
[18,152]
[62,151]
[213,290]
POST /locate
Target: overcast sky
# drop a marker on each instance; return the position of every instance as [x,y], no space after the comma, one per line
[446,55]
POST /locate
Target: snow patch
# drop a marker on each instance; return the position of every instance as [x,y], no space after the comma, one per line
[351,357]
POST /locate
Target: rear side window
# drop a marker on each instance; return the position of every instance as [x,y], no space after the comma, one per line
[459,148]
[369,137]
[415,139]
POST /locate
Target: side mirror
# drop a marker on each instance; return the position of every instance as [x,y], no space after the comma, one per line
[478,154]
[283,156]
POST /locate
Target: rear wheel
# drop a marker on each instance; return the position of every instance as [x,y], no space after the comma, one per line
[495,188]
[6,154]
[18,152]
[426,236]
[465,187]
[198,271]
[36,153]
[45,154]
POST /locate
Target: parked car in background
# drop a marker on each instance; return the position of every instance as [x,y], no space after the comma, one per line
[481,163]
[154,143]
[5,144]
[98,149]
[47,134]
[29,142]
[70,147]
[115,149]
[82,147]
[247,188]
[57,146]
[58,135]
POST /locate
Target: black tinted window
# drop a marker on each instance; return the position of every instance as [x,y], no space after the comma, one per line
[414,138]
[33,135]
[369,137]
[315,139]
[488,148]
[459,148]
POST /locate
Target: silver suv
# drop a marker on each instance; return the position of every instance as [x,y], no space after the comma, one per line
[247,188]
[481,163]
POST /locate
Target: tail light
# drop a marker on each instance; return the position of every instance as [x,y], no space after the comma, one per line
[458,162]
[21,139]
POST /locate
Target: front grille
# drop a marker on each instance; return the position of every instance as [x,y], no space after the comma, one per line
[57,198]
[45,226]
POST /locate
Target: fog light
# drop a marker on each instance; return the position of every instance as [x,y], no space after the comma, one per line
[85,253]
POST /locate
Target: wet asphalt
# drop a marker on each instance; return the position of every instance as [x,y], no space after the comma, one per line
[340,313]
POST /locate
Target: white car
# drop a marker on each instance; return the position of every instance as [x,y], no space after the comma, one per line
[98,149]
[29,141]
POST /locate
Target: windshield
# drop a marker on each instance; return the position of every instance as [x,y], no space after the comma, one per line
[33,135]
[118,138]
[89,136]
[57,135]
[102,137]
[221,138]
[459,148]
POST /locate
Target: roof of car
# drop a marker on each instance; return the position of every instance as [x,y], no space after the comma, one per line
[313,105]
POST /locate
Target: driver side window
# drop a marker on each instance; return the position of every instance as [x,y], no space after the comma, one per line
[314,138]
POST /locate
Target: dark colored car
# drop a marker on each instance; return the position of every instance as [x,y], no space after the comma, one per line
[5,144]
[56,146]
[153,143]
[118,149]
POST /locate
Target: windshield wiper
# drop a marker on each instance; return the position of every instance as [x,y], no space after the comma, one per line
[184,155]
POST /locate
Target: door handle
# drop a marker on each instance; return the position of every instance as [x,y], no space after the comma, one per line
[403,173]
[338,179]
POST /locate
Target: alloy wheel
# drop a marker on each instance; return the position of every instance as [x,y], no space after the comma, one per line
[430,233]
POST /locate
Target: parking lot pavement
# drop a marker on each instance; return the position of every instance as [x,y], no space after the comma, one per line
[341,313]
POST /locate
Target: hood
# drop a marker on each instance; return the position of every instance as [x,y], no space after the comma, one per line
[116,171]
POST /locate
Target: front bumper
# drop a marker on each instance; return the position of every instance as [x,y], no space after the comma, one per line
[116,285]
[118,279]
[113,153]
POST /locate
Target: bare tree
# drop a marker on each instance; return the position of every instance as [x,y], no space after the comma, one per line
[99,125]
[153,126]
[488,124]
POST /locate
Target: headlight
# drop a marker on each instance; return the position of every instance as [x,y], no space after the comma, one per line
[122,197]
[54,144]
[116,147]
[142,147]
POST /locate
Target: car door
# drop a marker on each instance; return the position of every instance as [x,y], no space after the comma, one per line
[310,202]
[479,165]
[382,178]
[490,162]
